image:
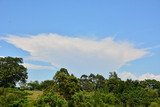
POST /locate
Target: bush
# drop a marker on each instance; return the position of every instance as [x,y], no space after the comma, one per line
[12,98]
[52,100]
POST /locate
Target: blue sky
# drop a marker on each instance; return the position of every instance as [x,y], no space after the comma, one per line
[88,30]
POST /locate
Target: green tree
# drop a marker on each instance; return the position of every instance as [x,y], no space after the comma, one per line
[34,85]
[47,84]
[114,84]
[100,82]
[51,99]
[152,84]
[94,99]
[92,82]
[113,75]
[138,96]
[12,71]
[88,82]
[67,84]
[82,99]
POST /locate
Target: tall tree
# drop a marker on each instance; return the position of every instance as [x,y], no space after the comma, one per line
[114,83]
[68,84]
[100,81]
[34,85]
[12,71]
[88,83]
[113,75]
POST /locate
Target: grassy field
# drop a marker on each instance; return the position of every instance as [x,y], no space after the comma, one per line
[33,95]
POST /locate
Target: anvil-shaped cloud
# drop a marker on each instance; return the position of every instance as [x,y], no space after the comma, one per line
[79,55]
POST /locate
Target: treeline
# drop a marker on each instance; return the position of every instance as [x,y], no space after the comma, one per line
[96,91]
[66,90]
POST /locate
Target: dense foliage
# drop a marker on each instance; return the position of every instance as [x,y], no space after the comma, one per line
[96,91]
[12,71]
[12,97]
[66,90]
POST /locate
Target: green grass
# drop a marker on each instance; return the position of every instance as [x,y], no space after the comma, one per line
[33,96]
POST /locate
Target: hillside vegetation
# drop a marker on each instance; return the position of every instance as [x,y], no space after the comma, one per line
[66,90]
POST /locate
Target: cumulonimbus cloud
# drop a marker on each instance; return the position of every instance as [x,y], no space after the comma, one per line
[79,55]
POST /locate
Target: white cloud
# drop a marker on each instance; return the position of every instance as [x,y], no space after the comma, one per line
[128,75]
[79,55]
[153,47]
[37,67]
[149,76]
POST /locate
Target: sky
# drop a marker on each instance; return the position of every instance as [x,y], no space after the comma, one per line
[84,36]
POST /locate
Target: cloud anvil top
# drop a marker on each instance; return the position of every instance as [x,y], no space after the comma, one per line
[78,53]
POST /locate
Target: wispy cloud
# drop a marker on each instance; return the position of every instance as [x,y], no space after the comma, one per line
[153,47]
[37,67]
[79,55]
